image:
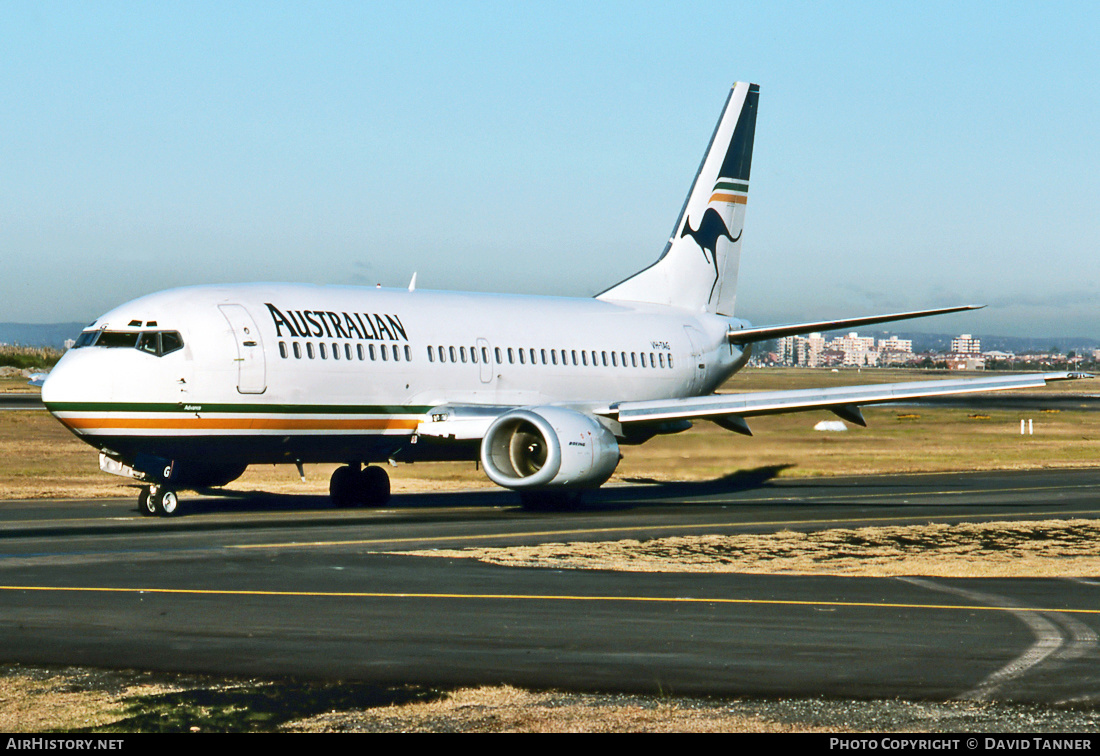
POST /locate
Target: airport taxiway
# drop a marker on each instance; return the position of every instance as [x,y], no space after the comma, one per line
[279,585]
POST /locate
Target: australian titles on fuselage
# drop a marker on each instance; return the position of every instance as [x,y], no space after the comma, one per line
[364,326]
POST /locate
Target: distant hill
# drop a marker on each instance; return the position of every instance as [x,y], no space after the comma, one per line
[39,334]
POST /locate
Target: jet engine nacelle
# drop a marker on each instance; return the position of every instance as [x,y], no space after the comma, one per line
[548,447]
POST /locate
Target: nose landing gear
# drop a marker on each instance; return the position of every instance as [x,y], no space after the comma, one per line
[158,501]
[350,486]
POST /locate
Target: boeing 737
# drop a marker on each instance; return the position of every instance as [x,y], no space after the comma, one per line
[185,388]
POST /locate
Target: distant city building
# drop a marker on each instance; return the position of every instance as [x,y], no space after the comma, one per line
[966,344]
[894,344]
[894,351]
[964,362]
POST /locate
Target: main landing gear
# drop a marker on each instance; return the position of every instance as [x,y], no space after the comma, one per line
[350,486]
[158,501]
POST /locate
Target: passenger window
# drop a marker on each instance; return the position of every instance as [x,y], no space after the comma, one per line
[462,353]
[408,353]
[347,351]
[431,354]
[499,360]
[324,352]
[297,351]
[335,351]
[309,349]
[396,353]
[373,354]
[282,350]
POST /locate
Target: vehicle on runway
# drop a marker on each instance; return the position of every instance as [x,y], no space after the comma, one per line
[187,387]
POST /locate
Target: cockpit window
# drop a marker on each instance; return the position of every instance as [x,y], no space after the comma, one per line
[86,338]
[118,339]
[170,341]
[149,342]
[157,343]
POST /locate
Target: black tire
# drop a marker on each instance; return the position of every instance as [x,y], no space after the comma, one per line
[343,486]
[167,503]
[146,505]
[374,486]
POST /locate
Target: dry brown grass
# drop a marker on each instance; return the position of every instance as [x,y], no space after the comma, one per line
[508,709]
[37,701]
[1053,548]
[33,700]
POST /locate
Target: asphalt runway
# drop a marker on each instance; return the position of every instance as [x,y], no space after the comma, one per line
[17,401]
[273,586]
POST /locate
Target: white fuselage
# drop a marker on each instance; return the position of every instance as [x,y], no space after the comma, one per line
[286,372]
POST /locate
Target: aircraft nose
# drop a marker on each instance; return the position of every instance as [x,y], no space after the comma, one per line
[74,382]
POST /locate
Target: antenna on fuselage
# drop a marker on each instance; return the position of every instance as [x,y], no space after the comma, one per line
[412,283]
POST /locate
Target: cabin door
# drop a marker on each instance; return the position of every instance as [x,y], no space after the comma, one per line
[251,367]
[485,360]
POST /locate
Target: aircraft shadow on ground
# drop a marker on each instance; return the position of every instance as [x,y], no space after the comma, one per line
[642,492]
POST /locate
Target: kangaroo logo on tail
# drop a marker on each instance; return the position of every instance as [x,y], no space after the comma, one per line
[710,230]
[716,205]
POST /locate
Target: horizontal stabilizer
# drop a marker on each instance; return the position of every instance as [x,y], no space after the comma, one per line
[842,400]
[763,333]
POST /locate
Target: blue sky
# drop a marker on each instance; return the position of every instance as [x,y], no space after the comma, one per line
[923,155]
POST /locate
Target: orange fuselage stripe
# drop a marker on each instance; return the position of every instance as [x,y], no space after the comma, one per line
[257,423]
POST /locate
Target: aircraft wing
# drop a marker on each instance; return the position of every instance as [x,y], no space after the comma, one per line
[729,409]
[763,333]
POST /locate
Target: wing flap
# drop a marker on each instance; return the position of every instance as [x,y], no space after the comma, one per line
[842,399]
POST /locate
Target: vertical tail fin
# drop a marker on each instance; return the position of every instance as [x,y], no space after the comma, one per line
[698,268]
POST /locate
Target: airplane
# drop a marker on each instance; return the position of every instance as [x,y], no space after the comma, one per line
[183,389]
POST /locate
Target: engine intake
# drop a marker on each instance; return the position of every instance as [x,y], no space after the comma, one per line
[548,446]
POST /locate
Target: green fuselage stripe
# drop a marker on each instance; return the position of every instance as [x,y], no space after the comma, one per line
[263,409]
